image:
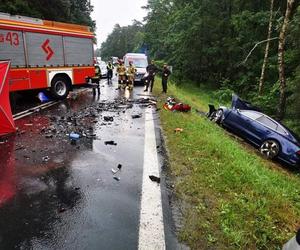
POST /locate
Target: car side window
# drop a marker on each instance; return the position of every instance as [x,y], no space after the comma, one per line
[267,122]
[251,114]
[281,130]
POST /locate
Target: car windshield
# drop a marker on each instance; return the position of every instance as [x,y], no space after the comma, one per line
[137,62]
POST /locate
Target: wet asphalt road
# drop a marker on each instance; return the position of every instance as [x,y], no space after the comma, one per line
[58,194]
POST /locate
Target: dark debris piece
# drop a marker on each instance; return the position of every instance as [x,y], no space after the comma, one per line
[136,116]
[62,210]
[108,118]
[154,178]
[110,143]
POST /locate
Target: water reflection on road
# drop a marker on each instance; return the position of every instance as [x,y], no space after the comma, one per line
[55,194]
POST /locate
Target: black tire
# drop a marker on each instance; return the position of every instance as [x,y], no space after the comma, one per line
[217,116]
[60,87]
[270,149]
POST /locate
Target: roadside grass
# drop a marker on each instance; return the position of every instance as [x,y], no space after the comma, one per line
[235,199]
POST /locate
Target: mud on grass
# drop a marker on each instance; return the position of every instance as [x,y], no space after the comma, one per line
[237,200]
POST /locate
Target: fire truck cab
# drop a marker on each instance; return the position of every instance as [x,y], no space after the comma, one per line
[46,54]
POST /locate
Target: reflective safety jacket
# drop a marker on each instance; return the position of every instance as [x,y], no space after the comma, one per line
[131,70]
[110,67]
[121,70]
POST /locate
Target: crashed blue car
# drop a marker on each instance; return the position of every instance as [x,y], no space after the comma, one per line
[273,139]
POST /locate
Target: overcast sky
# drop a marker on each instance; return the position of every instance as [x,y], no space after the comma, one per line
[109,12]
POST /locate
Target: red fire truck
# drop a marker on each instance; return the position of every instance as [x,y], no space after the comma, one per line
[46,54]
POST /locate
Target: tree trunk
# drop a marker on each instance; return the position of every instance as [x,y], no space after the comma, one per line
[281,63]
[263,69]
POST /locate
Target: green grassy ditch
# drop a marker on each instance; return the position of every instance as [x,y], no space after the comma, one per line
[236,199]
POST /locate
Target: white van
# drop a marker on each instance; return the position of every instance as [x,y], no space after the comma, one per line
[140,61]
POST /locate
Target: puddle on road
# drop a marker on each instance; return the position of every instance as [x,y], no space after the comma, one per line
[47,182]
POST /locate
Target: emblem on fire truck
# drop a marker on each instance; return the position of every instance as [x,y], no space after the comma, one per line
[47,49]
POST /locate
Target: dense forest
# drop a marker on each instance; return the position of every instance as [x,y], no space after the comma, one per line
[123,39]
[222,45]
[72,11]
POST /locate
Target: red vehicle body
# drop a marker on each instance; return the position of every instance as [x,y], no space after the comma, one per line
[46,54]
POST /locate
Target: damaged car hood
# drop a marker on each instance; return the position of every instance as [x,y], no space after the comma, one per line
[238,103]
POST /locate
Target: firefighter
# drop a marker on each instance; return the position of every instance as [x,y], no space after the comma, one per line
[151,70]
[110,69]
[131,70]
[121,70]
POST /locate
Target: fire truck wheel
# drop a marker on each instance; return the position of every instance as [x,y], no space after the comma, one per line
[60,87]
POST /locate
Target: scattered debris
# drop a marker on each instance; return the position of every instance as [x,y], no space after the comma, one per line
[73,142]
[117,178]
[178,130]
[136,116]
[108,118]
[20,148]
[74,136]
[154,178]
[115,171]
[43,97]
[46,158]
[62,210]
[90,136]
[110,143]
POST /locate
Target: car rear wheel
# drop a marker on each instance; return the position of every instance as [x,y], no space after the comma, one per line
[270,149]
[218,116]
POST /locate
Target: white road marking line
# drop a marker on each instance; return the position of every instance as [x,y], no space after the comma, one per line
[151,230]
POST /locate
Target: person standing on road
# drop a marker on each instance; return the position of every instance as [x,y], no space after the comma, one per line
[151,70]
[121,70]
[131,71]
[165,75]
[110,69]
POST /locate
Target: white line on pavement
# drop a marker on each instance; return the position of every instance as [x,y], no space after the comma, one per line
[151,231]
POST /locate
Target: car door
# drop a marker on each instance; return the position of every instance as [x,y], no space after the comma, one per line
[240,121]
[263,128]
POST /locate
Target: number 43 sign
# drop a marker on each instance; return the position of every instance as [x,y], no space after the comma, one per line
[10,38]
